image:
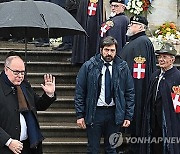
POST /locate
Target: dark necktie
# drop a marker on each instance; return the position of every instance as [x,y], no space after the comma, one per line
[107,84]
[158,83]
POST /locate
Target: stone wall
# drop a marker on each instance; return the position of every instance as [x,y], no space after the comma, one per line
[163,11]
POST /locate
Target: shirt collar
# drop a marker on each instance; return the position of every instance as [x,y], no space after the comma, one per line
[167,69]
[111,63]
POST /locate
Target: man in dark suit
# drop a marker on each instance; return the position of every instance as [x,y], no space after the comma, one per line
[104,97]
[19,127]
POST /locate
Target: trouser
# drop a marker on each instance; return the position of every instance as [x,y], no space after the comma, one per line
[157,148]
[27,150]
[69,39]
[103,125]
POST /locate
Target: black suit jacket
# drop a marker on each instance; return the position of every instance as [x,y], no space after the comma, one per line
[9,114]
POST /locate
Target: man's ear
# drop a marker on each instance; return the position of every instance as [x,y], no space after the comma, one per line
[124,7]
[173,59]
[141,27]
[101,50]
[5,69]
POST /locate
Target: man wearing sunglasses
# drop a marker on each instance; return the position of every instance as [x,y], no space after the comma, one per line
[139,54]
[19,127]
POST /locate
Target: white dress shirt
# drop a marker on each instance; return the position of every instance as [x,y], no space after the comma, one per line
[23,135]
[101,99]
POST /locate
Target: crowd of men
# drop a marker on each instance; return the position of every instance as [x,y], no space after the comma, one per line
[118,87]
[118,50]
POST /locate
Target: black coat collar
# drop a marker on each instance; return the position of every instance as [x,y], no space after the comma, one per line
[7,85]
[137,35]
[117,15]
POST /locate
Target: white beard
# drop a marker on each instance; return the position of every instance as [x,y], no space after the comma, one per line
[112,14]
[129,33]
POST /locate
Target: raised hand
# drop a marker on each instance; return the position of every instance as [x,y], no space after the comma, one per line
[49,84]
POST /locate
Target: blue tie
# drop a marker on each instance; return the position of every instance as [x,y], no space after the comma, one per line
[107,84]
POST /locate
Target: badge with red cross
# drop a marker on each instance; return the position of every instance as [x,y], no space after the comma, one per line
[105,27]
[176,98]
[139,67]
[92,7]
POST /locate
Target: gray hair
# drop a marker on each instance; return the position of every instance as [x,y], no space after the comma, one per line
[9,60]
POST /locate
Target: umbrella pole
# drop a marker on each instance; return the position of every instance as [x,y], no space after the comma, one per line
[25,47]
[25,55]
[25,51]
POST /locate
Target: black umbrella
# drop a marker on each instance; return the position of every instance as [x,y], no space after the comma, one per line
[36,19]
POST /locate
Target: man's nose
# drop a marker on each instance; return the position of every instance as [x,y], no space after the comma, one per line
[109,52]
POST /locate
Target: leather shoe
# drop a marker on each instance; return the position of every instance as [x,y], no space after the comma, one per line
[41,44]
[66,47]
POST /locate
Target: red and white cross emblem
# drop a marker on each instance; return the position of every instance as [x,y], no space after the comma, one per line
[104,29]
[176,102]
[92,9]
[139,71]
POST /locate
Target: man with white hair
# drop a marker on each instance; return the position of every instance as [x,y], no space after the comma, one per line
[19,127]
[117,25]
[162,106]
[140,56]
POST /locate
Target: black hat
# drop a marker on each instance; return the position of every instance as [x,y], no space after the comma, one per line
[167,48]
[139,19]
[118,1]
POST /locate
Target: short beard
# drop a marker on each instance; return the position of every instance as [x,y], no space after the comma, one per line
[129,33]
[112,14]
[107,59]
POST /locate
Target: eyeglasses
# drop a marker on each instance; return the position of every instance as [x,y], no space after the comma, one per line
[164,56]
[132,23]
[115,5]
[16,72]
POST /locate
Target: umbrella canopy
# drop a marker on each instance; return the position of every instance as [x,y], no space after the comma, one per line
[36,19]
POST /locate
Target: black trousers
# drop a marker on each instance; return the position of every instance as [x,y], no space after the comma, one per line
[157,148]
[28,150]
[103,125]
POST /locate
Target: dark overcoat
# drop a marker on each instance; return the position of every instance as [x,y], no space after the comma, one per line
[88,89]
[84,47]
[170,119]
[140,57]
[118,30]
[9,114]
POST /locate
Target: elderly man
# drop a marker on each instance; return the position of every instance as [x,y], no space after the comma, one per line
[19,127]
[104,98]
[140,56]
[117,25]
[162,109]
